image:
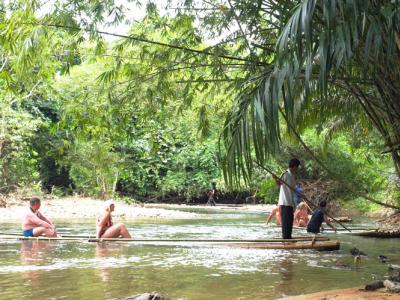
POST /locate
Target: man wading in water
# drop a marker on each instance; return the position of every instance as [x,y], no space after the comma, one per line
[286,201]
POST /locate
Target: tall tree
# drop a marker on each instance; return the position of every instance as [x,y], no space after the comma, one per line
[328,54]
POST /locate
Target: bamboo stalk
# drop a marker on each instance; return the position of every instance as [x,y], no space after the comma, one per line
[299,243]
[89,239]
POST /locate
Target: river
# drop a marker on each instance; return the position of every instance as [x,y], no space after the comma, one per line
[83,270]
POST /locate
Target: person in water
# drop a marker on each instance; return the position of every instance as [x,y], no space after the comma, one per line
[35,223]
[301,215]
[298,191]
[105,227]
[275,212]
[319,216]
[287,182]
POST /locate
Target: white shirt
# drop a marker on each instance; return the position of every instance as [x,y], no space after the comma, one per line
[285,193]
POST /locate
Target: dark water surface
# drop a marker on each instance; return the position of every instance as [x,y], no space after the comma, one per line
[82,270]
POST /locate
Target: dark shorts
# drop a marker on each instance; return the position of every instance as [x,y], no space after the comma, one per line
[28,232]
[312,230]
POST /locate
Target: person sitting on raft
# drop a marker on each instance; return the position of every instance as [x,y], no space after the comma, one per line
[35,223]
[277,213]
[319,216]
[301,215]
[105,227]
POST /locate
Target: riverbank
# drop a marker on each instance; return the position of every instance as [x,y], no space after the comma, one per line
[347,294]
[81,208]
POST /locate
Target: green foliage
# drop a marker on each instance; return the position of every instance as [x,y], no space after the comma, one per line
[327,50]
[18,158]
[142,116]
[191,170]
[269,191]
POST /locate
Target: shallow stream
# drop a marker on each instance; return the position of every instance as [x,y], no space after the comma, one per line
[83,270]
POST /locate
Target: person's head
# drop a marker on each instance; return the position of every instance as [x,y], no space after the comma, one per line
[302,206]
[322,203]
[34,203]
[109,205]
[294,164]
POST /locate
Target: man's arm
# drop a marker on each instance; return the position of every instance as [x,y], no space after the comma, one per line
[41,216]
[34,219]
[277,180]
[329,223]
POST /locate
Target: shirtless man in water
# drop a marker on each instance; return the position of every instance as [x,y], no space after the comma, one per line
[106,228]
[35,223]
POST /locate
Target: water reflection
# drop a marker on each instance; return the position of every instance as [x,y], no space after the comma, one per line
[105,251]
[34,253]
[287,280]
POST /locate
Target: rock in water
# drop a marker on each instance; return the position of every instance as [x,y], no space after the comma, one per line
[377,284]
[383,258]
[357,260]
[355,251]
[394,267]
[392,286]
[395,278]
[146,296]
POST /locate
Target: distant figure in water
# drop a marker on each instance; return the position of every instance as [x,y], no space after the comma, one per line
[105,227]
[277,214]
[301,215]
[35,223]
[319,216]
[211,194]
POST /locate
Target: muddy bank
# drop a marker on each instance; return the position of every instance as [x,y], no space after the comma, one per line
[83,208]
[392,221]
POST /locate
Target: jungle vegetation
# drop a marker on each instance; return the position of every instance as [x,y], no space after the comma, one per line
[198,92]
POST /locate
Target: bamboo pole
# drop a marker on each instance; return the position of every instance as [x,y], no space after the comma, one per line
[312,243]
[89,239]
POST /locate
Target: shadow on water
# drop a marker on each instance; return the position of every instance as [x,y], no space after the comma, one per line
[72,270]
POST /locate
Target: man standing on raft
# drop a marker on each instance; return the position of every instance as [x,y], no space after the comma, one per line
[35,223]
[286,201]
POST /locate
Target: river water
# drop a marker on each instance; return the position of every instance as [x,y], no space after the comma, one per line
[83,270]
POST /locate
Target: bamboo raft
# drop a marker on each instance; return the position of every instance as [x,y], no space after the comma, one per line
[328,229]
[379,233]
[299,243]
